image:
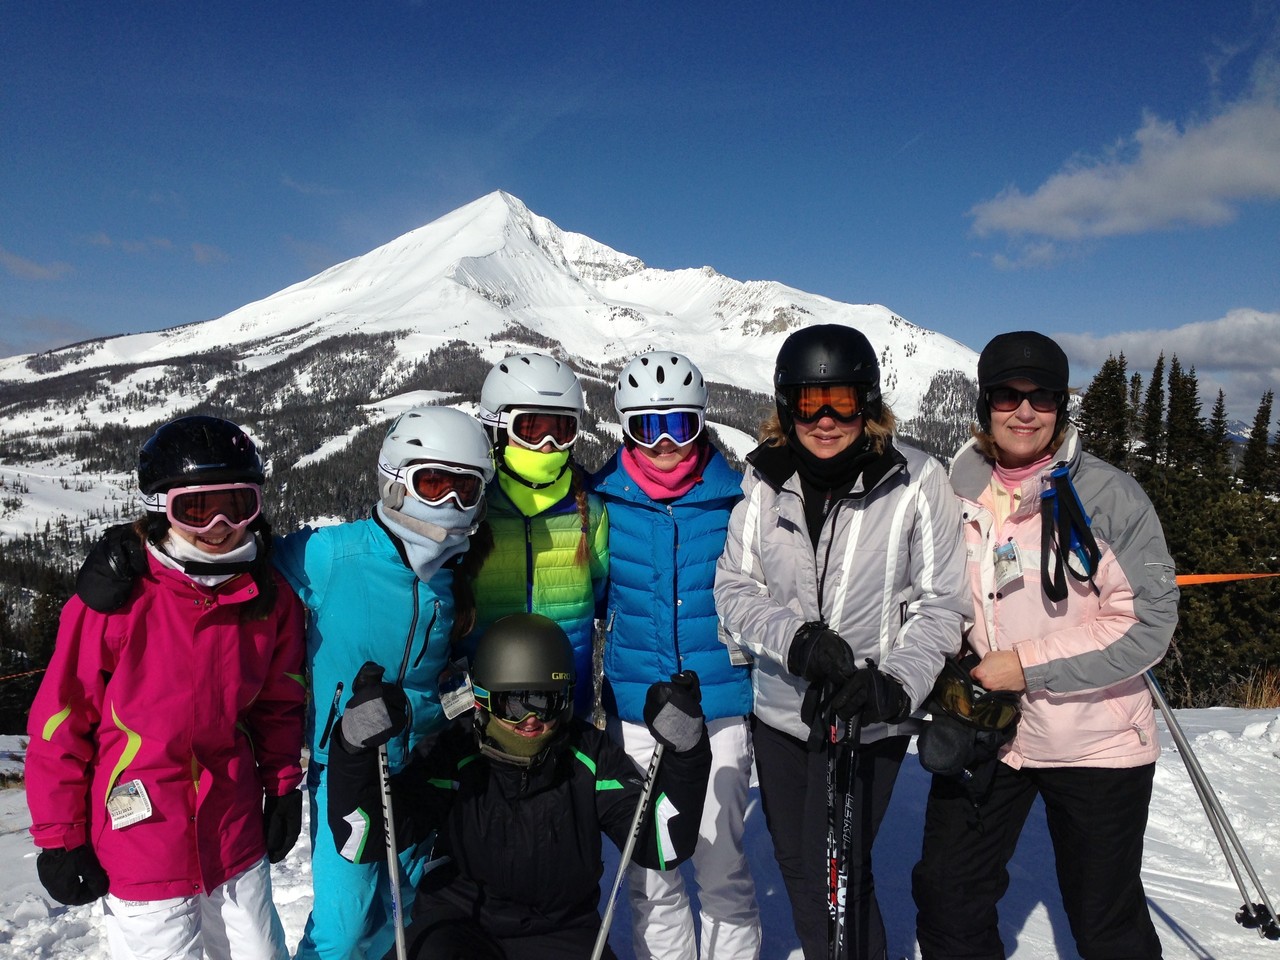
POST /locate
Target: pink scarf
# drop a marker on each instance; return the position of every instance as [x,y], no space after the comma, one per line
[1011,477]
[669,484]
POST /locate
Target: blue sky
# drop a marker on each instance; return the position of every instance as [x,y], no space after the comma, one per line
[1106,172]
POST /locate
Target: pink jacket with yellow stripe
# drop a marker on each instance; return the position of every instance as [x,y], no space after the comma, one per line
[176,691]
[1086,702]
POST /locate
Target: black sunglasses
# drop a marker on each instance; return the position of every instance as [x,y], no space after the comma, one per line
[1007,399]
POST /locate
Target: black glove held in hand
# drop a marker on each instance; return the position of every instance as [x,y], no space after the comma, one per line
[876,696]
[73,877]
[375,713]
[820,655]
[673,712]
[108,573]
[282,822]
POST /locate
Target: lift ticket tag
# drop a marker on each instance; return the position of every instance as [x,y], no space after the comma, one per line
[456,695]
[128,804]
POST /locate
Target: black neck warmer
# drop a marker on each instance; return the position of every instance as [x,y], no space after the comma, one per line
[823,481]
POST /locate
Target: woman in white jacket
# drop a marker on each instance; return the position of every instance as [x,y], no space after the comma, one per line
[843,574]
[1074,598]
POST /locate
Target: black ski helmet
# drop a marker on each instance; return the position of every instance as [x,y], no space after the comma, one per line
[827,353]
[523,651]
[197,450]
[1022,355]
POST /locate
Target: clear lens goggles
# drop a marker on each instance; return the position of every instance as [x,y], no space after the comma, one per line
[514,706]
[957,694]
[1007,399]
[198,509]
[435,483]
[535,428]
[811,402]
[648,428]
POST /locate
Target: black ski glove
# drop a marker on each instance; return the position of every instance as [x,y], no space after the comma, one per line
[673,712]
[878,697]
[375,714]
[282,822]
[820,655]
[108,573]
[73,877]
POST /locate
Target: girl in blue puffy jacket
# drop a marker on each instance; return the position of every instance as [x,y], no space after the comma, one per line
[669,493]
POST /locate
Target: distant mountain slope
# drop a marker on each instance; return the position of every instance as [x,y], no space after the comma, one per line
[317,368]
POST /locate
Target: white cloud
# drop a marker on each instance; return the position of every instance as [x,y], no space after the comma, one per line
[207,253]
[1238,353]
[1164,176]
[25,269]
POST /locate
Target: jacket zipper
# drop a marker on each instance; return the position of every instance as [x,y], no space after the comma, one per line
[528,565]
[408,641]
[675,590]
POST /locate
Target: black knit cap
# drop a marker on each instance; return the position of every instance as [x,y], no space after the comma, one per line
[1023,355]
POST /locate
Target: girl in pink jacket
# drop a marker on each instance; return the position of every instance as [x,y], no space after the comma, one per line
[1074,599]
[166,737]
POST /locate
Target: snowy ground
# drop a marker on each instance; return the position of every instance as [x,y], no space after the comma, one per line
[1192,896]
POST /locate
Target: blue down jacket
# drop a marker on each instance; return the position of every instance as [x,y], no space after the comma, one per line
[661,612]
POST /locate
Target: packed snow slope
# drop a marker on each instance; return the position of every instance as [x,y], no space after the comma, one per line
[1192,897]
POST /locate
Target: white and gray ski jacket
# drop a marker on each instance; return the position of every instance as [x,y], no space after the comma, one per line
[888,575]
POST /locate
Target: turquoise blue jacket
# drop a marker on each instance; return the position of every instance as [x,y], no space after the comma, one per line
[366,603]
[661,613]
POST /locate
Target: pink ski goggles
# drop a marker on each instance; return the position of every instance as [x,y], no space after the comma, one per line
[198,509]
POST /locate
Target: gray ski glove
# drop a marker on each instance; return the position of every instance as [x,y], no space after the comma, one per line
[375,714]
[673,712]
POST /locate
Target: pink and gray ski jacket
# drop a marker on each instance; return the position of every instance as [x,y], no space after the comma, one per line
[1086,703]
[176,691]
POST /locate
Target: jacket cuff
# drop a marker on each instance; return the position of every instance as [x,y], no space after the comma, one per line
[1034,669]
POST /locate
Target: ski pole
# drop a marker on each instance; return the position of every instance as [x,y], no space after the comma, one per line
[393,858]
[839,828]
[603,936]
[1251,915]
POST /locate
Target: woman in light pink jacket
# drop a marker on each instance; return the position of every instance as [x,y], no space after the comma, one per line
[1074,599]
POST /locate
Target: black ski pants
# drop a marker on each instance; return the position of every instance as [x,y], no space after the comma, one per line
[793,792]
[1096,818]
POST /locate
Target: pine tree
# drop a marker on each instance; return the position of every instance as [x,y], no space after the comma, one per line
[1135,407]
[1217,457]
[1184,429]
[1152,424]
[1254,473]
[1104,419]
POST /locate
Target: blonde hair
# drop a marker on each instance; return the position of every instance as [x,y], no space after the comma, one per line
[879,431]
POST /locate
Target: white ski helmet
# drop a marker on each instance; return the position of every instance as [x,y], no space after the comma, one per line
[657,380]
[529,380]
[439,434]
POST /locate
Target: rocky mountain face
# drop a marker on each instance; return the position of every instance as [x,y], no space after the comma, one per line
[315,370]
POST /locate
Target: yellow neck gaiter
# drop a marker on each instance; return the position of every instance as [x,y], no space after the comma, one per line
[545,470]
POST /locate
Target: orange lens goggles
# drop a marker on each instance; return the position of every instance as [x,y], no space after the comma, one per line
[812,401]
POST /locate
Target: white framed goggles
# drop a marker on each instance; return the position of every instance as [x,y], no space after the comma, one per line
[533,428]
[648,428]
[197,509]
[435,483]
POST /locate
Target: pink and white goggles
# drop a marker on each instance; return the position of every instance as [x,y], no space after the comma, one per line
[198,509]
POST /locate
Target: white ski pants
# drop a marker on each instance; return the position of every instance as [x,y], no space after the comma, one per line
[235,921]
[661,916]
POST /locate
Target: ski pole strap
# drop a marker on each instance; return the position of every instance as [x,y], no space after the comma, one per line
[1064,530]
